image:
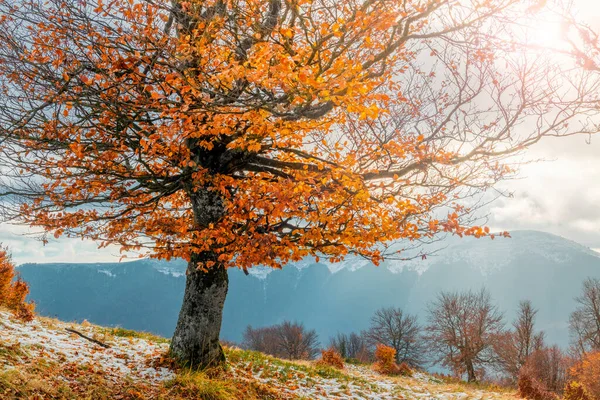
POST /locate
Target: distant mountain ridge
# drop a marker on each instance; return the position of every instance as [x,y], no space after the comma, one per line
[146,294]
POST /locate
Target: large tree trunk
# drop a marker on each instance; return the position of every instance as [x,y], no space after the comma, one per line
[195,342]
[196,339]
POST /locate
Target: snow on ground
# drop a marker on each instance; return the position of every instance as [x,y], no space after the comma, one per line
[126,357]
[130,357]
[354,382]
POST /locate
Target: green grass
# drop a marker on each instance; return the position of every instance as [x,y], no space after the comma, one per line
[129,333]
[198,385]
[11,354]
[284,371]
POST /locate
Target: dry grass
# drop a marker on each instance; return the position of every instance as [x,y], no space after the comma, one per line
[439,388]
[38,379]
[25,376]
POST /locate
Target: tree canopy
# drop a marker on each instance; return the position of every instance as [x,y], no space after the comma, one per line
[319,127]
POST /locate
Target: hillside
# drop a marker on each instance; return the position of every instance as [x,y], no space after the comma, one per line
[42,359]
[146,294]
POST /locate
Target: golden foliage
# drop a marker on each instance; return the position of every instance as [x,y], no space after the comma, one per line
[331,358]
[13,290]
[308,123]
[587,375]
[385,360]
[576,391]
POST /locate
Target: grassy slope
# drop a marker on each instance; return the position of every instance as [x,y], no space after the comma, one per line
[42,361]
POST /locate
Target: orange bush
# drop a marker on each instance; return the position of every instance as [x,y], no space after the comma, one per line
[331,358]
[385,357]
[13,292]
[576,391]
[530,388]
[587,373]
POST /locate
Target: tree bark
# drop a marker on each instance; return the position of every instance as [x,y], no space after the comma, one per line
[471,377]
[195,342]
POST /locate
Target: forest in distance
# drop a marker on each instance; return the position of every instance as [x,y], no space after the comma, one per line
[467,335]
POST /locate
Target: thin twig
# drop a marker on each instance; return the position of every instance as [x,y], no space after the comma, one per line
[88,338]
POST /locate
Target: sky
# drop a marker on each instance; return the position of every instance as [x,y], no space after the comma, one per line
[560,195]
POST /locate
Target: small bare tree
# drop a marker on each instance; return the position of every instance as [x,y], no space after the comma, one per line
[295,342]
[461,331]
[287,340]
[524,326]
[394,328]
[514,347]
[260,339]
[351,345]
[584,322]
[549,366]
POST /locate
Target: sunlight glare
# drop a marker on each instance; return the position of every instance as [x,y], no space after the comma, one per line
[547,30]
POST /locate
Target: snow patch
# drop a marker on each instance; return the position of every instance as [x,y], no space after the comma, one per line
[125,357]
[171,272]
[260,272]
[106,272]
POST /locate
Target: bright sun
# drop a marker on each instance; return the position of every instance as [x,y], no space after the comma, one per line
[546,30]
[547,33]
[549,29]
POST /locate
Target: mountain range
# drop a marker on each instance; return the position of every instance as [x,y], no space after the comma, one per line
[330,298]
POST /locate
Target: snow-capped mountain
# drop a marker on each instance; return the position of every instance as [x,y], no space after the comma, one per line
[146,294]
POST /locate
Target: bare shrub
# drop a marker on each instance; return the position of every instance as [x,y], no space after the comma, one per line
[352,347]
[401,331]
[287,340]
[405,370]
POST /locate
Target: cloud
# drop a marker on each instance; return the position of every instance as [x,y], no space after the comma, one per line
[25,248]
[560,196]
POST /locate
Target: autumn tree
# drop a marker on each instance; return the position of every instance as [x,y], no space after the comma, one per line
[461,331]
[584,323]
[399,330]
[514,346]
[286,340]
[236,133]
